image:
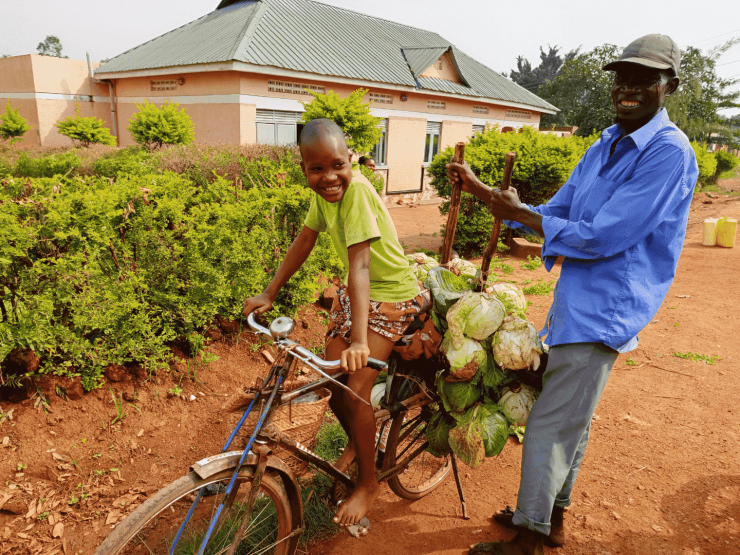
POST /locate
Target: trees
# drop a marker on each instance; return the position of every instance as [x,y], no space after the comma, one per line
[550,66]
[582,91]
[50,46]
[153,127]
[86,131]
[12,125]
[350,114]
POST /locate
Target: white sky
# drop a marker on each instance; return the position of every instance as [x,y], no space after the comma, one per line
[494,33]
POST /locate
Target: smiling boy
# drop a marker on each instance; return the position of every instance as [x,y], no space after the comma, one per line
[371,311]
[619,222]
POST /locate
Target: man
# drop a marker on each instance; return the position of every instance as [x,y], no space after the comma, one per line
[619,222]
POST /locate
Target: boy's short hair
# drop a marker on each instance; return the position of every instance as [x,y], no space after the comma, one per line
[321,127]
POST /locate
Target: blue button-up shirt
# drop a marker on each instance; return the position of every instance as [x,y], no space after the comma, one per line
[620,223]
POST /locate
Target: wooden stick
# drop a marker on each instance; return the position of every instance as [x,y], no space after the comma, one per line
[459,158]
[493,243]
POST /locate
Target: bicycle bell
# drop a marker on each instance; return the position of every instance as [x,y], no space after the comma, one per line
[282,327]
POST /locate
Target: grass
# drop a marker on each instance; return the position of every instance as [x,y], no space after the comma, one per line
[630,362]
[539,288]
[532,263]
[502,266]
[698,358]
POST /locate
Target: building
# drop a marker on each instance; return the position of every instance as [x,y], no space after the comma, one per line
[242,71]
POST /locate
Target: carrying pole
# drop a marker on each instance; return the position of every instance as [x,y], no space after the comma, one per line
[493,243]
[458,158]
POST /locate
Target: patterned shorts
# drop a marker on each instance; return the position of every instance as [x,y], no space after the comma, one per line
[388,319]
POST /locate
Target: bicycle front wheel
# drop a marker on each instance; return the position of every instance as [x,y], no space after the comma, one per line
[152,527]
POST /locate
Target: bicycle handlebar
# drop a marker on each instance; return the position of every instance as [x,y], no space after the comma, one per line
[306,354]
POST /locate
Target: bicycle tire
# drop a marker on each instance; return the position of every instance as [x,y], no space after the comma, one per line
[143,533]
[425,472]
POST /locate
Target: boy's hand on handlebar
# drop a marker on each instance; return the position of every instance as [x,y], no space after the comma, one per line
[354,358]
[258,304]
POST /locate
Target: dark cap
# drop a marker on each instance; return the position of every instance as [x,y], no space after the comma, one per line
[656,51]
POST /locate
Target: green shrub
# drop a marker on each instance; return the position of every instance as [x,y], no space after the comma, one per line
[86,131]
[543,164]
[95,272]
[127,161]
[725,162]
[63,163]
[12,125]
[706,161]
[152,127]
[375,180]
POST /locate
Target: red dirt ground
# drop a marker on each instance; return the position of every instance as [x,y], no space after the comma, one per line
[661,474]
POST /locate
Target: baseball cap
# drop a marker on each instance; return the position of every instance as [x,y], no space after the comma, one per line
[656,51]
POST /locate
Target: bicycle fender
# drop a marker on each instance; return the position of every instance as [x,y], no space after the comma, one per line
[225,461]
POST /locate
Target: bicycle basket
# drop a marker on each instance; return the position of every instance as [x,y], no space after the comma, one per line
[300,421]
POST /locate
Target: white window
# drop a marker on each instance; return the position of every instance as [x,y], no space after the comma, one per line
[436,104]
[380,149]
[276,127]
[479,130]
[379,98]
[431,147]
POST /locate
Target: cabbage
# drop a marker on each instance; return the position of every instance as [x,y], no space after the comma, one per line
[493,376]
[465,356]
[446,288]
[376,394]
[421,264]
[516,345]
[464,269]
[457,396]
[495,429]
[516,402]
[511,296]
[437,432]
[466,439]
[475,315]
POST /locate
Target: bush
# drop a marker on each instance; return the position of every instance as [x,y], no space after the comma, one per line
[706,161]
[375,180]
[63,163]
[725,162]
[543,164]
[86,131]
[152,127]
[12,125]
[95,272]
[129,161]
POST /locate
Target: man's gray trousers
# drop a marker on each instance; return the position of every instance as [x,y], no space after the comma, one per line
[557,430]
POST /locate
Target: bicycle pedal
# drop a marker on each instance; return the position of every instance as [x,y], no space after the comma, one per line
[360,529]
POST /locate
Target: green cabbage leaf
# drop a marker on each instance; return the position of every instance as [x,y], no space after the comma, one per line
[474,315]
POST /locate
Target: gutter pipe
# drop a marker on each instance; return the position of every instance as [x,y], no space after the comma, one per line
[111,94]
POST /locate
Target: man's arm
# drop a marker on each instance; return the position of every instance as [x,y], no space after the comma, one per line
[358,287]
[297,254]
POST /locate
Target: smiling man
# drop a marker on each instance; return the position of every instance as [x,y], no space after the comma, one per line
[619,222]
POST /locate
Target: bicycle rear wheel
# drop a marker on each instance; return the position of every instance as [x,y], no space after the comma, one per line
[406,437]
[152,527]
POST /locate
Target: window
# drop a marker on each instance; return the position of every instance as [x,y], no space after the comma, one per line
[480,109]
[518,114]
[293,88]
[431,148]
[436,104]
[478,130]
[276,127]
[379,98]
[380,149]
[439,64]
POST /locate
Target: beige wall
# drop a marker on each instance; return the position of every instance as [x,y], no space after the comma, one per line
[454,132]
[406,138]
[447,72]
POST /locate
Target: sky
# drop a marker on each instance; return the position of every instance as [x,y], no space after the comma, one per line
[494,33]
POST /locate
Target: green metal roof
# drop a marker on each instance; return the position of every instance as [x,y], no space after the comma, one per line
[307,36]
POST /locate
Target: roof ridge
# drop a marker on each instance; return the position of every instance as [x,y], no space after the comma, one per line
[249,29]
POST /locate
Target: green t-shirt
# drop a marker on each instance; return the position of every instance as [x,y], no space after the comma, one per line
[359,216]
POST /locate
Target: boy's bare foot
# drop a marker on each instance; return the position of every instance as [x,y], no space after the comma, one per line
[526,542]
[353,509]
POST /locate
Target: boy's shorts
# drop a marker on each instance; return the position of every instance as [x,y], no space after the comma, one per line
[387,319]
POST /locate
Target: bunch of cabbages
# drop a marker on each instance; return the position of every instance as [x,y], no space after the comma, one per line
[486,339]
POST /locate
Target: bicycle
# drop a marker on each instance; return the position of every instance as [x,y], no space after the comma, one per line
[250,499]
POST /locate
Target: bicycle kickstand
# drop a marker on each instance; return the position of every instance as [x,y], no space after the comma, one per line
[459,486]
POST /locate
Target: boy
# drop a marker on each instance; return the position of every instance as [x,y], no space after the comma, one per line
[371,312]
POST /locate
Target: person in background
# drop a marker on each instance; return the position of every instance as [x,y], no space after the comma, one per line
[619,222]
[368,161]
